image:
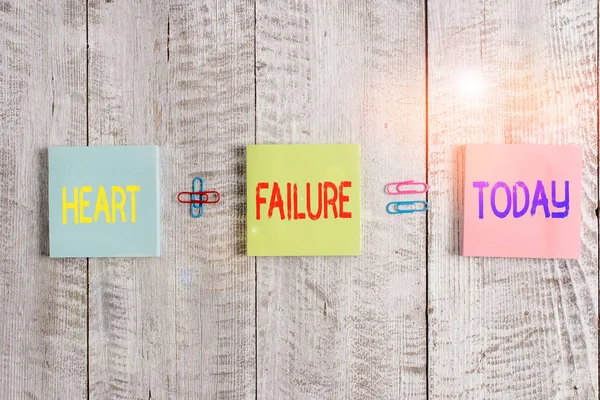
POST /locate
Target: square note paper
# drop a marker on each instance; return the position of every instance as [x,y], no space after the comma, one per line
[104,201]
[303,200]
[522,201]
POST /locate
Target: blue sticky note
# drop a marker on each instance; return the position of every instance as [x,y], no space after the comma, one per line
[104,201]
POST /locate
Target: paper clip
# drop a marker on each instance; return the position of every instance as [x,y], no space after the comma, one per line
[394,207]
[397,186]
[199,197]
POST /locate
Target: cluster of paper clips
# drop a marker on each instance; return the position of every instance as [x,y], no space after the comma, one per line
[406,207]
[199,197]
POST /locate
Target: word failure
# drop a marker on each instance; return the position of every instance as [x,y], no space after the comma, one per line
[102,206]
[330,199]
[518,199]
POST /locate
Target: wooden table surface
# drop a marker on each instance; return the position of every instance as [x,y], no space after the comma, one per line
[410,81]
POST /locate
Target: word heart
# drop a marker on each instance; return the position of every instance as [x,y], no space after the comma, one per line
[102,206]
[518,199]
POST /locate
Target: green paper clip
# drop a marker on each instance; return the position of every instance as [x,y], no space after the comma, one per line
[394,207]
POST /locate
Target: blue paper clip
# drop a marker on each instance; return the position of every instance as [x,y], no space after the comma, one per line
[394,207]
[197,206]
[198,197]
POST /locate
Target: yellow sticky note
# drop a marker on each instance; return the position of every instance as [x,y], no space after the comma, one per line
[303,200]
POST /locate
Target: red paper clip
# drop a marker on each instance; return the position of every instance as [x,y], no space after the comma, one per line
[198,197]
[204,197]
[397,185]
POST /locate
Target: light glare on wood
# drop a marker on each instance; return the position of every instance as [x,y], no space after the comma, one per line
[471,85]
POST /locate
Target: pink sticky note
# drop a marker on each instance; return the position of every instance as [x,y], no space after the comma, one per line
[522,201]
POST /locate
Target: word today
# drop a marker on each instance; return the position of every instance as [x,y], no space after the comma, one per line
[102,206]
[330,199]
[519,202]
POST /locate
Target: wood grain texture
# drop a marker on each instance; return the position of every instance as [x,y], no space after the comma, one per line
[346,72]
[42,103]
[180,75]
[510,328]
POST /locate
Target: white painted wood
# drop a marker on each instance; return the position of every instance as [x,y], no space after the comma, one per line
[510,328]
[346,72]
[42,103]
[178,74]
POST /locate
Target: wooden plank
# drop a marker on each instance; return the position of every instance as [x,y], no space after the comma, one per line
[42,103]
[346,72]
[510,72]
[178,74]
